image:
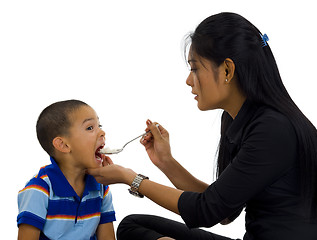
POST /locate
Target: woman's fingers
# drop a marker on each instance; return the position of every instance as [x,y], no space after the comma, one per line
[106,160]
[93,171]
[112,174]
[154,128]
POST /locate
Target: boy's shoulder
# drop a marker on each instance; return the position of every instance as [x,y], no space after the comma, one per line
[39,182]
[42,172]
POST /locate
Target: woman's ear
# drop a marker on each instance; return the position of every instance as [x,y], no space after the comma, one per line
[229,69]
[60,145]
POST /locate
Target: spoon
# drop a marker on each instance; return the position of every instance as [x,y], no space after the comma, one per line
[107,150]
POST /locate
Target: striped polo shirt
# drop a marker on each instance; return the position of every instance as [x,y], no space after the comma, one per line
[49,203]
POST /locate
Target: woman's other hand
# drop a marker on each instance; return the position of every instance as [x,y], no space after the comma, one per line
[111,173]
[106,160]
[157,144]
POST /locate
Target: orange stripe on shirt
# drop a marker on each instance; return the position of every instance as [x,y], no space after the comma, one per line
[106,192]
[60,217]
[92,215]
[41,169]
[36,187]
[72,217]
[43,176]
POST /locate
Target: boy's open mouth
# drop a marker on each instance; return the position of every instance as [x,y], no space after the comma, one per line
[98,154]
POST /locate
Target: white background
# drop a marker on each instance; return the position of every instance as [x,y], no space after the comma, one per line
[124,58]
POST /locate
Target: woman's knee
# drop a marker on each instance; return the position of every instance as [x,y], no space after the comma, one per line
[139,226]
[129,219]
[125,225]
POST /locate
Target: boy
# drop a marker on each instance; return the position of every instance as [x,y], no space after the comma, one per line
[62,202]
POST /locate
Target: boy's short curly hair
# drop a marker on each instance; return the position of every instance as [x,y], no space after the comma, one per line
[54,121]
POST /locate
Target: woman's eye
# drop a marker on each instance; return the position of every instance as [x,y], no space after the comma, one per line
[193,70]
[90,128]
[100,126]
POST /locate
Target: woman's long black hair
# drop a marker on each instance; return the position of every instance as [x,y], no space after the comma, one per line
[229,35]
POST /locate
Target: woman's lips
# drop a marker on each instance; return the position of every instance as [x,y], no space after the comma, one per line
[196,96]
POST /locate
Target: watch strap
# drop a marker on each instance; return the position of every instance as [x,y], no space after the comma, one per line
[134,189]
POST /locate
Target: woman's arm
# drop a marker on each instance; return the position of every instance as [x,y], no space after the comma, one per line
[28,232]
[158,148]
[105,232]
[162,195]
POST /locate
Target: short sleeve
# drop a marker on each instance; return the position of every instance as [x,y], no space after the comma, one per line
[33,203]
[107,210]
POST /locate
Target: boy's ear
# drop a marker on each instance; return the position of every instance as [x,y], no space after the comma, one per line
[60,145]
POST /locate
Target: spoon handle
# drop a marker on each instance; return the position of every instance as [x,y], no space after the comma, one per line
[136,138]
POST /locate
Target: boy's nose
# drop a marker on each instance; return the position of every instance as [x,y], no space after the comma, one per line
[102,133]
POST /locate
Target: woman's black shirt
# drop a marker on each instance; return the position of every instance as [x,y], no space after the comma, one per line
[263,176]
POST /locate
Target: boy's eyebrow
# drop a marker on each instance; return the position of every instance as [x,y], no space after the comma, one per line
[89,119]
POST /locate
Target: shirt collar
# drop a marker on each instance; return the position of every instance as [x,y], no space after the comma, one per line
[247,111]
[61,186]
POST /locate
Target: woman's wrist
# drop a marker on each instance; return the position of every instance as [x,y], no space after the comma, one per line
[128,176]
[166,164]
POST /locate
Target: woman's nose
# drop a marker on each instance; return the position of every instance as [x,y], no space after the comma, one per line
[189,80]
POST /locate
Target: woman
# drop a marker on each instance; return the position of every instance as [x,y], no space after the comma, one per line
[267,159]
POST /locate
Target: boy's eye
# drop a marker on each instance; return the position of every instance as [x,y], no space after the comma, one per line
[90,128]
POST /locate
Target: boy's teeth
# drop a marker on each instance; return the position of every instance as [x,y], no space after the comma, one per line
[99,158]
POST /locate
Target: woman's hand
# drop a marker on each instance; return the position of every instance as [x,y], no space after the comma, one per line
[111,173]
[106,160]
[158,148]
[157,144]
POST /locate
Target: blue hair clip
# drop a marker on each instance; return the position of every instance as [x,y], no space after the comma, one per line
[265,39]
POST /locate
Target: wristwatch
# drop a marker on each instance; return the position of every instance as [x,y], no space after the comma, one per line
[134,189]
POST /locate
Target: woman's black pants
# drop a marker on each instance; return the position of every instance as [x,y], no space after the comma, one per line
[148,227]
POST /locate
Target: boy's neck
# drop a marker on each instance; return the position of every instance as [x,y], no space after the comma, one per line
[74,175]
